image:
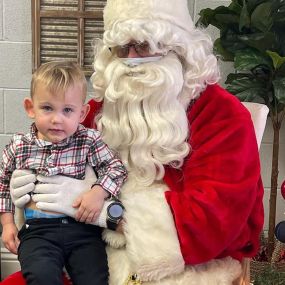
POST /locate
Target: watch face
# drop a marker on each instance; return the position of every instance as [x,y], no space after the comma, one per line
[115,211]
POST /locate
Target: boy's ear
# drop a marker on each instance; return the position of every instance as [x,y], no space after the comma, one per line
[84,112]
[29,107]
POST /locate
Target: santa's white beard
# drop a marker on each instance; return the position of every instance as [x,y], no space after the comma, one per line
[142,117]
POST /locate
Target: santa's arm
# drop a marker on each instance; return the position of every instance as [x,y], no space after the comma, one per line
[217,203]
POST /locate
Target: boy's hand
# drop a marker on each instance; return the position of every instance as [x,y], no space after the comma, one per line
[90,204]
[10,237]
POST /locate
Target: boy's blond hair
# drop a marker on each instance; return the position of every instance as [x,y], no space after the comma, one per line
[58,76]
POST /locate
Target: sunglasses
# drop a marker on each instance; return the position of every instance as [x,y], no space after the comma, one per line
[141,48]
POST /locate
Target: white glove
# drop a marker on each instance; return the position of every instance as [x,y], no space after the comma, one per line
[21,184]
[57,194]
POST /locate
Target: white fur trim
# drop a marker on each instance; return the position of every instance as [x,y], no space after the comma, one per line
[216,272]
[151,238]
[152,243]
[114,239]
[152,248]
[119,266]
[175,12]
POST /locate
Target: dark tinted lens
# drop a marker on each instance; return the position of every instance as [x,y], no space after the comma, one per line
[142,48]
[122,51]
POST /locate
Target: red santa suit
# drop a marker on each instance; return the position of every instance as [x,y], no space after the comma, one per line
[209,212]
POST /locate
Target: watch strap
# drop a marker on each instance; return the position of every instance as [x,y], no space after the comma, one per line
[112,225]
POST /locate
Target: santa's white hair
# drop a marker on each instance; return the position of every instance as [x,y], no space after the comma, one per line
[144,111]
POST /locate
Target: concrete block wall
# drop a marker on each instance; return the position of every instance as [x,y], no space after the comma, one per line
[15,65]
[15,76]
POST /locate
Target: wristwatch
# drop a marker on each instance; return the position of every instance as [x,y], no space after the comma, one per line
[115,212]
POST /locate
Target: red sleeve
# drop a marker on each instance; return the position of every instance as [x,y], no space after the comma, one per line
[216,200]
[93,111]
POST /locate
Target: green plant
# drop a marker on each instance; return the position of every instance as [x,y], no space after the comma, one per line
[270,276]
[252,37]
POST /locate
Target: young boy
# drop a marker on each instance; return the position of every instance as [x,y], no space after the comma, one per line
[58,144]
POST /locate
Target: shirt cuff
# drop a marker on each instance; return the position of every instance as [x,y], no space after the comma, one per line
[108,185]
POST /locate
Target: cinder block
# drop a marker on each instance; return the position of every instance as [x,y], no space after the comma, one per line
[9,263]
[266,162]
[4,140]
[15,118]
[1,20]
[1,111]
[16,58]
[17,21]
[280,207]
[225,67]
[269,133]
[191,5]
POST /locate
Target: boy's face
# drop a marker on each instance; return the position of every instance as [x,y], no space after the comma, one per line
[56,116]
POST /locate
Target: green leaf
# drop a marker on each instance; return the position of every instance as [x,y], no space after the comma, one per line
[276,59]
[279,89]
[209,17]
[221,52]
[231,42]
[246,88]
[252,4]
[235,6]
[234,76]
[280,72]
[248,59]
[279,20]
[244,21]
[206,17]
[227,18]
[261,17]
[260,41]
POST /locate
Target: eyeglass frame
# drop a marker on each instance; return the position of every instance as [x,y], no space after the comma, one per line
[136,45]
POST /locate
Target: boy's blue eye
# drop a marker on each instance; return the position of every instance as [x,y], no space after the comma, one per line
[68,110]
[46,108]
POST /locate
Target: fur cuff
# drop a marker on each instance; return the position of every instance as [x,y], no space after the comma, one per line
[216,272]
[114,239]
[152,243]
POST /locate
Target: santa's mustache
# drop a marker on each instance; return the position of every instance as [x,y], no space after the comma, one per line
[152,75]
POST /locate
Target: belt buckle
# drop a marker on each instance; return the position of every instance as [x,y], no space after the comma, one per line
[133,280]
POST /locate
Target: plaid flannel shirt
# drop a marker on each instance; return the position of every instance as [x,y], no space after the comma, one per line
[69,157]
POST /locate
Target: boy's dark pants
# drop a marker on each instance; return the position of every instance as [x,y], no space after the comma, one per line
[47,245]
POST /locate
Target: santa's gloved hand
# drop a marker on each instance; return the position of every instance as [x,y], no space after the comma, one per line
[22,183]
[57,193]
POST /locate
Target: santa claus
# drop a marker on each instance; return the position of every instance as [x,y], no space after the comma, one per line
[193,199]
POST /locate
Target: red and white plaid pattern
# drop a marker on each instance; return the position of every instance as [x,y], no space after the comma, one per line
[69,157]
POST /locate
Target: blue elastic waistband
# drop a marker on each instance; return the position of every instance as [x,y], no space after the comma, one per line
[37,214]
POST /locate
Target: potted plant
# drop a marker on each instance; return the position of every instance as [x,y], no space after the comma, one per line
[252,37]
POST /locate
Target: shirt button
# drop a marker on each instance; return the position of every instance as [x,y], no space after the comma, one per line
[64,221]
